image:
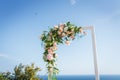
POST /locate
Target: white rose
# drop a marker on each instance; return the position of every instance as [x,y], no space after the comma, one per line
[65,29]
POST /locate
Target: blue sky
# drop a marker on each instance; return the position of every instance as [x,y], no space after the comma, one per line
[23,21]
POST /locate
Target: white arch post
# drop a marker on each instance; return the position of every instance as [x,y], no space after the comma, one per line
[94,50]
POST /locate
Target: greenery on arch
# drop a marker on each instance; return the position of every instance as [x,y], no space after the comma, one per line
[59,34]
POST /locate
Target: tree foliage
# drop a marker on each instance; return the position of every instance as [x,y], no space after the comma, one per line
[22,72]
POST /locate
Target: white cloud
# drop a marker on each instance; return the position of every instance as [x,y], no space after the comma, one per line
[5,56]
[72,2]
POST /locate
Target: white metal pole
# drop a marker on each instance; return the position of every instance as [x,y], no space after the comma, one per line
[94,51]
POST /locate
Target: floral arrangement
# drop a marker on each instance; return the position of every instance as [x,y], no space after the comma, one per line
[60,34]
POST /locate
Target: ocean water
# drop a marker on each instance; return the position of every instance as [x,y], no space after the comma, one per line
[85,77]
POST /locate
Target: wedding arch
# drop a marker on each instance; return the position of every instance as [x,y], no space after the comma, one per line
[63,34]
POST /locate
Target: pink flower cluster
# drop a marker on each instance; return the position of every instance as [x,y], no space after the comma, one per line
[62,31]
[59,34]
[51,55]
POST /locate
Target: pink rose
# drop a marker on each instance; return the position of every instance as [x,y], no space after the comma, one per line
[63,34]
[55,27]
[49,57]
[65,29]
[81,31]
[67,42]
[55,44]
[50,51]
[55,48]
[72,37]
[68,32]
[59,32]
[62,25]
[60,29]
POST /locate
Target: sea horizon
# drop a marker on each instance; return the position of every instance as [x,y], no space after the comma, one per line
[83,77]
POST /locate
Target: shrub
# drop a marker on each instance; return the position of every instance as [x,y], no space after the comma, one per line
[22,72]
